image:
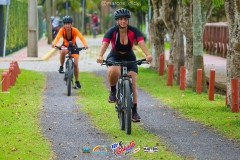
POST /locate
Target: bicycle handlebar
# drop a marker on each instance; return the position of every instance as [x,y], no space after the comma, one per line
[124,63]
[69,48]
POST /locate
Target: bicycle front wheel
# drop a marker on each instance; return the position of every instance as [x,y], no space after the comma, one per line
[128,102]
[119,105]
[69,76]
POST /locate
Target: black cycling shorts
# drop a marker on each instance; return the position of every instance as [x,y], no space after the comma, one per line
[95,24]
[129,56]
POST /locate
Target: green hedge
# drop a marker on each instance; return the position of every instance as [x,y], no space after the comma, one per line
[17,31]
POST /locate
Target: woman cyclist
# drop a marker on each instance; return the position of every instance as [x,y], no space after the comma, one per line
[69,33]
[122,37]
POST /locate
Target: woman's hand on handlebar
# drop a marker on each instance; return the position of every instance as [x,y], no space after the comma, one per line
[100,59]
[149,58]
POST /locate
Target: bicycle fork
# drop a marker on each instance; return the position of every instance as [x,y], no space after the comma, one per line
[72,70]
[120,85]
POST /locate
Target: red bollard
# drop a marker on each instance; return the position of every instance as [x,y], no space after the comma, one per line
[8,78]
[199,81]
[182,78]
[211,85]
[4,82]
[11,76]
[14,71]
[17,67]
[161,64]
[235,99]
[170,75]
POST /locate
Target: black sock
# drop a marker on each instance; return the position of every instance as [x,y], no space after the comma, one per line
[134,109]
[113,88]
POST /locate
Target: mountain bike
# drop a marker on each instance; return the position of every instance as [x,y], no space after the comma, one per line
[124,102]
[95,31]
[68,76]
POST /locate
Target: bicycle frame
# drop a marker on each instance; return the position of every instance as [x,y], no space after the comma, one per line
[124,95]
[120,85]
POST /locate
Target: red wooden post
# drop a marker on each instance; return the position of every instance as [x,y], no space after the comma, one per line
[11,76]
[211,85]
[182,78]
[235,103]
[17,67]
[8,78]
[170,75]
[161,64]
[199,81]
[14,71]
[4,82]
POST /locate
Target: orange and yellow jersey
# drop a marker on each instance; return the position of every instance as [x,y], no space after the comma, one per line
[75,33]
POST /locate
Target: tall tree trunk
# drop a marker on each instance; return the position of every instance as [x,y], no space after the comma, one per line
[236,45]
[169,13]
[232,10]
[157,28]
[185,22]
[197,45]
[181,54]
[231,17]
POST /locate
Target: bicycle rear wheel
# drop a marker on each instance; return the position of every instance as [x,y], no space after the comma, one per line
[69,66]
[128,102]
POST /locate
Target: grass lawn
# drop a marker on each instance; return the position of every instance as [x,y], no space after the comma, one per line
[20,134]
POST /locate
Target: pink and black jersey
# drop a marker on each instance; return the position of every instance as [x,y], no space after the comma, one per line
[112,36]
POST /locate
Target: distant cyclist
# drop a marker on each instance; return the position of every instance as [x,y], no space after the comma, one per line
[95,20]
[122,37]
[69,33]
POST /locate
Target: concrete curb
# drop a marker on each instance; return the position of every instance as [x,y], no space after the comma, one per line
[49,54]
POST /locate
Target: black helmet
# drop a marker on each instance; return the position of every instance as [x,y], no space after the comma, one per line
[122,12]
[67,19]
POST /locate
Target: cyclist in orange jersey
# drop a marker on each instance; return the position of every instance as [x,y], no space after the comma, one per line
[70,33]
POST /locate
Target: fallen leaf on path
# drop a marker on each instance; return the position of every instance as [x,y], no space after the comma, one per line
[75,111]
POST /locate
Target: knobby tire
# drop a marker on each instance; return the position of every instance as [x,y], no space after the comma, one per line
[69,76]
[128,102]
[120,105]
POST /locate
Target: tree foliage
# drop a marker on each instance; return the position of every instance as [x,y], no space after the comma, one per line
[216,3]
[137,7]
